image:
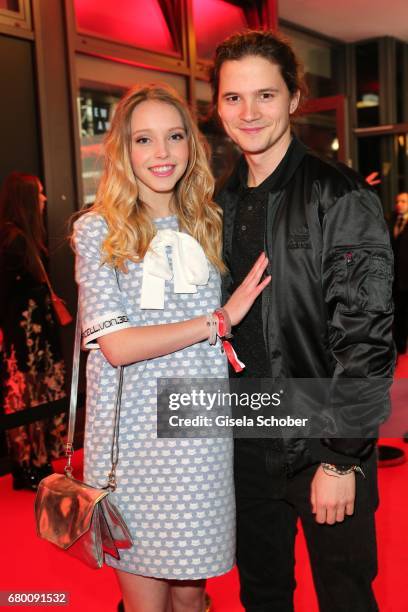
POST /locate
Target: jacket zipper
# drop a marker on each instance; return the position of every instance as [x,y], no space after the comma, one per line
[286,461]
[349,262]
[272,219]
[360,246]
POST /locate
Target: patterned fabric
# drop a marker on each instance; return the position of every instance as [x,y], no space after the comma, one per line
[32,369]
[176,496]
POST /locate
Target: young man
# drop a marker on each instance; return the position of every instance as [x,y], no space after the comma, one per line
[326,314]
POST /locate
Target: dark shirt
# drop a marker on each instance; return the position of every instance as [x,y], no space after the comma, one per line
[247,245]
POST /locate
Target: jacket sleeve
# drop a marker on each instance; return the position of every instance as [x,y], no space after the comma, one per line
[357,275]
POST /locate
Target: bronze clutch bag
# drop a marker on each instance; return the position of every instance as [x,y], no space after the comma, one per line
[80,519]
[73,515]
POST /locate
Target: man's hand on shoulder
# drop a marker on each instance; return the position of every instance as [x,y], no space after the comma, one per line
[332,496]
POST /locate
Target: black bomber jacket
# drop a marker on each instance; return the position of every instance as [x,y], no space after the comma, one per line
[327,312]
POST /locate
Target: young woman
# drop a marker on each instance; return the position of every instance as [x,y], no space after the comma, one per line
[32,371]
[148,268]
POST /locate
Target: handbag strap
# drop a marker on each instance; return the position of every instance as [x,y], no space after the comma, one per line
[69,448]
[46,277]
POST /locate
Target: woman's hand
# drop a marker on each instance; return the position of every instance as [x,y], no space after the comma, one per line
[149,341]
[245,295]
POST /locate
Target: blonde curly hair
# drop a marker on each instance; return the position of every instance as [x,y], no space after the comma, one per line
[130,228]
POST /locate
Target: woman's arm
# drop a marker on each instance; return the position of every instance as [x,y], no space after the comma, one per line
[139,343]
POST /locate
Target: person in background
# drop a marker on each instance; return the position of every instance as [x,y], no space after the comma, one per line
[33,369]
[400,246]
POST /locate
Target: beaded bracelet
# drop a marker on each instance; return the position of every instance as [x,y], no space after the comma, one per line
[212,323]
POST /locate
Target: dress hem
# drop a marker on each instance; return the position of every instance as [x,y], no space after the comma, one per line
[167,577]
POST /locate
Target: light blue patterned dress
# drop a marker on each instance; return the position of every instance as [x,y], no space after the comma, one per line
[176,495]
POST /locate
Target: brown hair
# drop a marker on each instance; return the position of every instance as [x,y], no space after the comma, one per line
[20,216]
[263,43]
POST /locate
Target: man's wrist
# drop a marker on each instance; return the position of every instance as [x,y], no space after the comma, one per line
[340,470]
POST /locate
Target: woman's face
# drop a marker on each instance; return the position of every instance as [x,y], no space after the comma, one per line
[159,149]
[41,197]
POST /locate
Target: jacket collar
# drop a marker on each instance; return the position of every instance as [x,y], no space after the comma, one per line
[292,159]
[230,194]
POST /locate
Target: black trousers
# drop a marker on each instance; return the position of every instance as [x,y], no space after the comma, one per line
[343,556]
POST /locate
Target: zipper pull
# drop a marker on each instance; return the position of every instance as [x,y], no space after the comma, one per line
[349,258]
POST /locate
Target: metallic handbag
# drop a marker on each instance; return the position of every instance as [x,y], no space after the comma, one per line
[73,515]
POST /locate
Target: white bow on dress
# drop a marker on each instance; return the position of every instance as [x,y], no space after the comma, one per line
[190,267]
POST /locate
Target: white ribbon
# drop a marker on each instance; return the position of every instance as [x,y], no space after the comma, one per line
[190,267]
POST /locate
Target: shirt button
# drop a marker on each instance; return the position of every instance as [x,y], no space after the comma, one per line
[243,227]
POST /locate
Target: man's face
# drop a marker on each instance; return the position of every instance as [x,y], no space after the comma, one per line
[254,103]
[401,203]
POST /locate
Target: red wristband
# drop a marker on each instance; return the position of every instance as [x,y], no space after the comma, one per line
[224,324]
[232,356]
[224,332]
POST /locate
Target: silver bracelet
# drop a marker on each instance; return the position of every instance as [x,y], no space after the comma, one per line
[332,470]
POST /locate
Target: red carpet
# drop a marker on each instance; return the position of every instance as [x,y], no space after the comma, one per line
[29,564]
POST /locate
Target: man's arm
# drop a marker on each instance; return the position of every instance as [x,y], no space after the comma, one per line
[357,271]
